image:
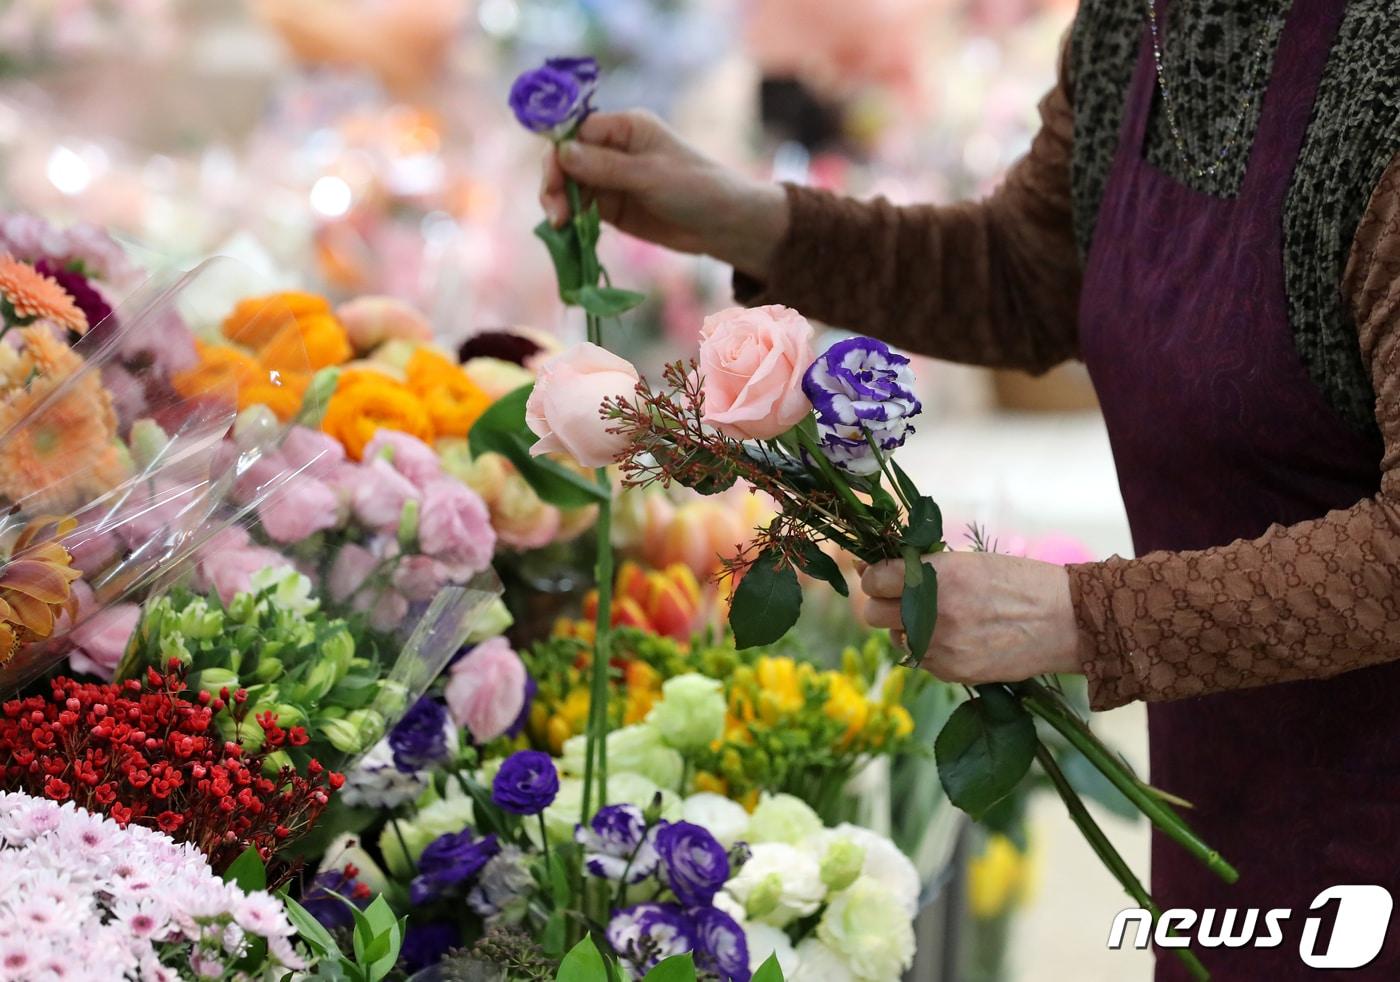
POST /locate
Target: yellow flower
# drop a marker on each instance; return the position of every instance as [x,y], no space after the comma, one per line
[713,783]
[999,878]
[779,678]
[846,703]
[903,722]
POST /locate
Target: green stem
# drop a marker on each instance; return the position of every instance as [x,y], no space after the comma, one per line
[544,842]
[885,469]
[1110,857]
[1040,702]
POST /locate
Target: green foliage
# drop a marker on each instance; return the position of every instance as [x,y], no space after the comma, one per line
[501,429]
[918,604]
[376,939]
[985,749]
[767,602]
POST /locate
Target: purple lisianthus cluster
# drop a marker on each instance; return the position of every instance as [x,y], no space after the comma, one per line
[419,740]
[862,393]
[616,844]
[721,947]
[555,97]
[526,784]
[448,862]
[693,862]
[645,935]
[425,943]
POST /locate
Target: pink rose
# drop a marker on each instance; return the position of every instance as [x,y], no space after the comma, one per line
[408,455]
[379,495]
[312,452]
[486,689]
[370,321]
[100,640]
[228,561]
[455,527]
[299,510]
[563,410]
[752,363]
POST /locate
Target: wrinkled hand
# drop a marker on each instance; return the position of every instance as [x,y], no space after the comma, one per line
[652,184]
[1000,618]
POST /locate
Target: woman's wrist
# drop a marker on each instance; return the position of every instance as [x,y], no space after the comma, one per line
[757,225]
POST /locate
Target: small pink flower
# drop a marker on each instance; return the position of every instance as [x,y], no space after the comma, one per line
[314,453]
[419,578]
[563,410]
[299,510]
[353,565]
[486,689]
[408,455]
[379,495]
[228,561]
[100,640]
[372,320]
[455,526]
[752,362]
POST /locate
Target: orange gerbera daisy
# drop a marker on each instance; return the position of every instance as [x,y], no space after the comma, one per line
[454,401]
[61,455]
[33,296]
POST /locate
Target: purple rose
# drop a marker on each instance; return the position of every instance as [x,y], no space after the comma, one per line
[693,861]
[647,934]
[721,947]
[857,387]
[448,862]
[419,740]
[425,943]
[616,844]
[556,96]
[526,784]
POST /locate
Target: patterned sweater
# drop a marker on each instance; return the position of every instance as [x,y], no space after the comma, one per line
[996,283]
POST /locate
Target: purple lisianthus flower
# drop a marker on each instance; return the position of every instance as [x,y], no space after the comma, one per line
[526,784]
[860,386]
[425,943]
[449,861]
[721,947]
[556,96]
[647,934]
[616,844]
[93,305]
[323,898]
[693,861]
[419,740]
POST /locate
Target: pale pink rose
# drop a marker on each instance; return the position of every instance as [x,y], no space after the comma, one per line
[455,527]
[312,452]
[370,321]
[751,363]
[228,561]
[409,455]
[387,608]
[299,510]
[486,689]
[563,410]
[380,493]
[100,640]
[419,578]
[352,567]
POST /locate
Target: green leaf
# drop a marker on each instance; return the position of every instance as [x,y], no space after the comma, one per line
[559,880]
[582,964]
[925,528]
[564,251]
[1008,817]
[907,487]
[380,915]
[984,750]
[767,602]
[553,936]
[918,604]
[1090,782]
[818,565]
[606,301]
[312,931]
[769,971]
[247,871]
[501,429]
[677,968]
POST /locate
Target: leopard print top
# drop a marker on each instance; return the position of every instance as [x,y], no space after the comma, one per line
[1209,48]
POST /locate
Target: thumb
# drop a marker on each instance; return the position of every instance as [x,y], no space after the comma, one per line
[599,167]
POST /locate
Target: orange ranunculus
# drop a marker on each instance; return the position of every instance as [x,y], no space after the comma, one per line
[308,344]
[365,405]
[454,401]
[222,372]
[284,395]
[257,320]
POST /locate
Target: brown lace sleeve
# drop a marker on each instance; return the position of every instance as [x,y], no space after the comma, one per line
[994,282]
[1304,601]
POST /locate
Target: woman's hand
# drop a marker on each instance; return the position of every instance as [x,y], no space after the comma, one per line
[1000,618]
[651,184]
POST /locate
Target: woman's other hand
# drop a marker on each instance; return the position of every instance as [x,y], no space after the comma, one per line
[651,184]
[1000,618]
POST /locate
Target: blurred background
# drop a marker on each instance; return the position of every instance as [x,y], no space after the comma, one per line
[364,146]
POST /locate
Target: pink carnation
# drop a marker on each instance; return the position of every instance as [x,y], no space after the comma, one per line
[299,510]
[486,689]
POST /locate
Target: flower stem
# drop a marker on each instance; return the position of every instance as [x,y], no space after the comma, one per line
[1040,702]
[1110,856]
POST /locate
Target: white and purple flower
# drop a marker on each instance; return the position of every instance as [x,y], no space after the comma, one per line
[616,844]
[694,863]
[647,934]
[721,947]
[862,392]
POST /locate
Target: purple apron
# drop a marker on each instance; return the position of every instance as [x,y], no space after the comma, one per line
[1218,432]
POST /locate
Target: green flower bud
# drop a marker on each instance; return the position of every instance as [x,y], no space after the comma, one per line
[318,396]
[765,897]
[198,622]
[213,679]
[408,525]
[842,864]
[148,441]
[318,681]
[243,608]
[391,699]
[268,670]
[172,645]
[256,427]
[276,762]
[340,733]
[370,724]
[285,714]
[339,649]
[495,619]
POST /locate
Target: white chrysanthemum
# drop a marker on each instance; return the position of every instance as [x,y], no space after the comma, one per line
[869,927]
[778,884]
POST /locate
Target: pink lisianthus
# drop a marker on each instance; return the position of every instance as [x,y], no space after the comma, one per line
[227,562]
[564,407]
[312,452]
[751,364]
[486,689]
[353,565]
[299,510]
[455,527]
[419,578]
[371,320]
[100,639]
[379,494]
[407,454]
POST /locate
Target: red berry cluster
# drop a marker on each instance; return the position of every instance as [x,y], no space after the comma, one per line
[152,755]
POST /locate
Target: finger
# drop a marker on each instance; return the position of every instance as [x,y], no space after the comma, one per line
[599,167]
[884,579]
[625,131]
[883,613]
[553,199]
